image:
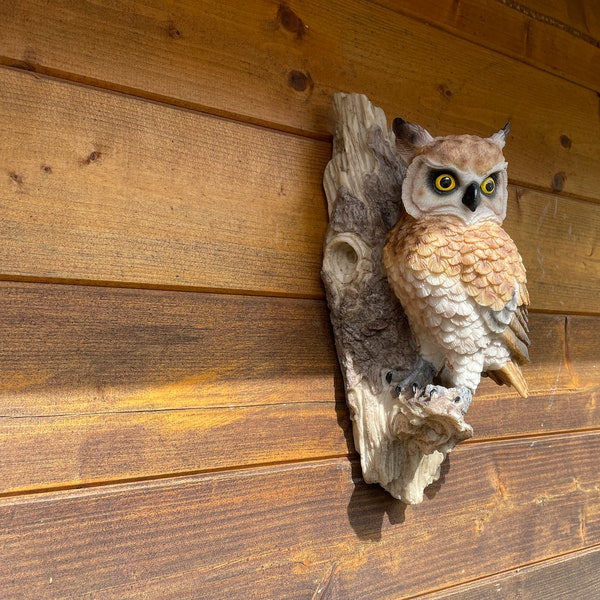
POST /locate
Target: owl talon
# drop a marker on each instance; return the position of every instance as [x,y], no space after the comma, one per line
[418,377]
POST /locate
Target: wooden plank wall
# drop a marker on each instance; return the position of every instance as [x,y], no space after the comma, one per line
[172,419]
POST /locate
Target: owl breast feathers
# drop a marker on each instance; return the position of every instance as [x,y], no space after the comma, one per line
[456,272]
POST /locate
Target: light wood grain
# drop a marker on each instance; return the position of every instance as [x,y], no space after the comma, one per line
[518,32]
[295,529]
[99,187]
[280,63]
[177,199]
[570,577]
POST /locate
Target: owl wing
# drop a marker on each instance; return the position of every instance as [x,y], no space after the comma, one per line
[494,277]
[511,323]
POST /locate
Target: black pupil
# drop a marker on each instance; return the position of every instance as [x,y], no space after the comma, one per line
[489,186]
[445,182]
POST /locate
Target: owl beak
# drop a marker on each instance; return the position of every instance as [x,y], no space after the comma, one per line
[472,198]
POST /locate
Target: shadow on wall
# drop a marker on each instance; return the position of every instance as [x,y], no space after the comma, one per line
[369,503]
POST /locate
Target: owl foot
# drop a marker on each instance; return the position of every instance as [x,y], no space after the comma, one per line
[433,418]
[461,397]
[418,377]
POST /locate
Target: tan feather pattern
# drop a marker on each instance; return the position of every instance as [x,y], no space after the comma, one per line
[484,257]
[433,254]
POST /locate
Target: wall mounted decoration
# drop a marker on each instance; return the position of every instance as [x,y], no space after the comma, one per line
[426,291]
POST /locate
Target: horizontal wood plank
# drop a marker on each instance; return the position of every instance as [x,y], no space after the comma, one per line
[71,350]
[65,451]
[559,240]
[102,187]
[570,577]
[115,384]
[88,350]
[518,32]
[40,453]
[578,15]
[279,63]
[178,199]
[301,528]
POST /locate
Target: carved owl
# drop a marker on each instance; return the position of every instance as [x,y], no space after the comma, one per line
[456,272]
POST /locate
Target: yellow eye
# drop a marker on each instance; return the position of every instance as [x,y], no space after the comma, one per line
[488,186]
[445,182]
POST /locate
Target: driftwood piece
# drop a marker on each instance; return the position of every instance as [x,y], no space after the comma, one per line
[402,433]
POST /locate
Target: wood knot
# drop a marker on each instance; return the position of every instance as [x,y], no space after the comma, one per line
[558,181]
[300,81]
[173,31]
[290,21]
[445,91]
[93,157]
[16,178]
[565,141]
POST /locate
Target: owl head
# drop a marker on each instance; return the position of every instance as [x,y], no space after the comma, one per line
[460,175]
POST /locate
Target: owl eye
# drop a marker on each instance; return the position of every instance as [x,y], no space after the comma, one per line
[488,185]
[444,182]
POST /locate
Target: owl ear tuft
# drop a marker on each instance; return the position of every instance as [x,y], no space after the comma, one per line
[409,138]
[499,138]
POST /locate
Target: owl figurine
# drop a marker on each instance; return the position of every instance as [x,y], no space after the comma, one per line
[456,272]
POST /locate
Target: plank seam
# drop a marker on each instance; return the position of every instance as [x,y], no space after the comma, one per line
[492,576]
[534,15]
[39,71]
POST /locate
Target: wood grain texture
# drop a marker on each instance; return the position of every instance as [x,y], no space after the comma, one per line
[72,450]
[578,15]
[570,577]
[96,186]
[559,240]
[71,350]
[518,32]
[103,384]
[296,529]
[279,63]
[177,199]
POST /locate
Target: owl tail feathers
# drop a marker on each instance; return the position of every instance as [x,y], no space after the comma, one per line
[510,374]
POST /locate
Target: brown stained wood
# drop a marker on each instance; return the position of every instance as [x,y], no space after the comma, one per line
[559,240]
[582,355]
[96,186]
[279,63]
[50,452]
[294,528]
[88,350]
[580,16]
[523,34]
[510,416]
[113,384]
[570,577]
[69,350]
[178,199]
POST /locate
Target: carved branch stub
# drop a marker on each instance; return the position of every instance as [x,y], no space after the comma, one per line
[402,434]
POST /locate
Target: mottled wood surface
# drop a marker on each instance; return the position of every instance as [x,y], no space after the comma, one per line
[172,418]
